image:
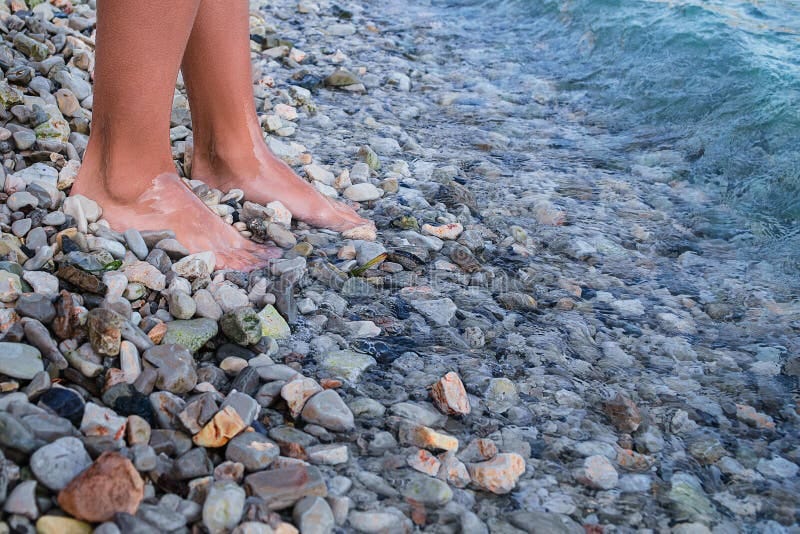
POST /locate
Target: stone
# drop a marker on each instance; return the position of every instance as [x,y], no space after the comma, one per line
[223,507]
[37,307]
[56,464]
[206,306]
[624,413]
[245,405]
[424,462]
[421,436]
[747,414]
[450,396]
[272,324]
[282,487]
[362,192]
[313,515]
[319,174]
[252,450]
[181,305]
[426,490]
[65,403]
[175,367]
[43,283]
[146,274]
[192,334]
[533,522]
[446,231]
[777,467]
[501,395]
[136,243]
[195,265]
[498,475]
[296,392]
[346,364]
[21,200]
[453,470]
[479,450]
[438,311]
[688,500]
[22,500]
[328,410]
[598,472]
[10,286]
[109,486]
[100,421]
[242,326]
[105,331]
[55,524]
[19,360]
[332,454]
[225,425]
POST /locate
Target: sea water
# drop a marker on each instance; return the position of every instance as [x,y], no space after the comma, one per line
[716,81]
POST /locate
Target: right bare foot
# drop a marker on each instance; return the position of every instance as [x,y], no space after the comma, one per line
[169,204]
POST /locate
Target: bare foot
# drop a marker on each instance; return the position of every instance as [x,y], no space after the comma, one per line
[169,204]
[264,178]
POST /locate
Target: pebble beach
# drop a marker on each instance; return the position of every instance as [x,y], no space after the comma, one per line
[537,338]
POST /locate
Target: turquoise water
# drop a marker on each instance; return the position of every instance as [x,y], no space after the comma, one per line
[718,81]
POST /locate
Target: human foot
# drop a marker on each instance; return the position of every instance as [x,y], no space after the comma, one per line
[168,204]
[264,178]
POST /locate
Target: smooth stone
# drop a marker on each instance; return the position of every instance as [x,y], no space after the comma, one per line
[22,500]
[313,515]
[192,334]
[346,364]
[56,464]
[243,326]
[223,507]
[282,487]
[328,410]
[36,306]
[175,367]
[18,360]
[110,486]
[136,243]
[252,450]
[273,325]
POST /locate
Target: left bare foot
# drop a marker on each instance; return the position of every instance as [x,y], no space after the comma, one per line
[264,178]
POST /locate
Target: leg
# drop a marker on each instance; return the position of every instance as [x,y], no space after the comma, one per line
[128,164]
[229,147]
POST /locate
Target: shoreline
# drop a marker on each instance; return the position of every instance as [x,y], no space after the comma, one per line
[595,363]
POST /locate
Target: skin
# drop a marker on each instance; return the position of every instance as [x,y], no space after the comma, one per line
[128,166]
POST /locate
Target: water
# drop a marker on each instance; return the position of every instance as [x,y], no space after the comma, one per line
[716,81]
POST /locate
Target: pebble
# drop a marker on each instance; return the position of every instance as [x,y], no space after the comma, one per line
[21,361]
[109,486]
[328,410]
[282,487]
[450,396]
[313,515]
[498,475]
[56,464]
[223,507]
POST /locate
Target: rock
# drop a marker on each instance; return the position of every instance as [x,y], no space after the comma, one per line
[18,360]
[364,232]
[195,265]
[146,274]
[777,467]
[333,454]
[245,405]
[328,410]
[501,395]
[624,413]
[65,403]
[272,324]
[689,501]
[192,334]
[346,364]
[363,192]
[105,331]
[498,475]
[282,487]
[341,78]
[206,306]
[450,396]
[426,490]
[313,515]
[21,200]
[42,283]
[223,507]
[297,391]
[598,472]
[175,367]
[446,231]
[54,524]
[438,311]
[410,433]
[453,470]
[10,286]
[223,426]
[109,486]
[533,522]
[56,464]
[100,421]
[252,450]
[319,174]
[424,462]
[22,500]
[242,326]
[181,305]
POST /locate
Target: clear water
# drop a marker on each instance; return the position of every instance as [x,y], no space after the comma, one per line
[718,81]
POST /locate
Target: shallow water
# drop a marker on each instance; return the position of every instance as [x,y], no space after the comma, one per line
[717,82]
